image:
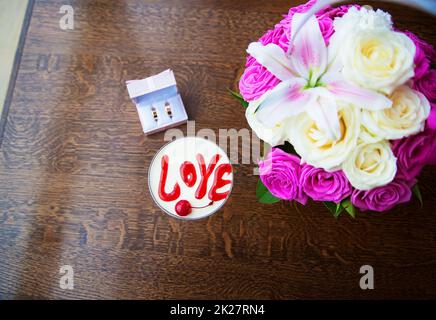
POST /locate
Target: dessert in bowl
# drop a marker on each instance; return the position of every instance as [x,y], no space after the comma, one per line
[190,178]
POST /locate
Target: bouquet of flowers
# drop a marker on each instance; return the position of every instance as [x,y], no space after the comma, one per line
[349,105]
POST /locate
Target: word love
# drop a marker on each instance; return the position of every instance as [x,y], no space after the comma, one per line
[188,174]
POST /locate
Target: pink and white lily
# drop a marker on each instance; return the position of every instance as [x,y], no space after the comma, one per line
[311,81]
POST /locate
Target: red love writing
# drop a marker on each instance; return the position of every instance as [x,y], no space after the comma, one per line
[189,176]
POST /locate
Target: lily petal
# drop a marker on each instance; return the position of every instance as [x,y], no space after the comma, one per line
[273,136]
[287,99]
[273,58]
[364,98]
[323,110]
[309,52]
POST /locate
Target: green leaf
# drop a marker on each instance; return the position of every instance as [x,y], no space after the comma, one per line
[334,208]
[418,194]
[331,206]
[238,97]
[339,209]
[348,206]
[263,194]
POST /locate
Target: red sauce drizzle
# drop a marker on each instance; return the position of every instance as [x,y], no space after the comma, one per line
[219,182]
[188,173]
[173,195]
[205,174]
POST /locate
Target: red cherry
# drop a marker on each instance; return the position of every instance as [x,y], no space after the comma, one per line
[183,208]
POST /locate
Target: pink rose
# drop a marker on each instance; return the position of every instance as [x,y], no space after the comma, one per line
[414,152]
[427,85]
[339,11]
[325,18]
[423,55]
[255,81]
[278,36]
[431,120]
[305,7]
[321,185]
[280,173]
[326,27]
[382,198]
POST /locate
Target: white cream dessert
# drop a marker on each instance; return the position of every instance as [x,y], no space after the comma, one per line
[190,178]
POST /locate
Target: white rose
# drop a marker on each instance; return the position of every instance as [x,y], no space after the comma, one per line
[371,53]
[314,146]
[406,117]
[362,18]
[367,136]
[273,136]
[370,165]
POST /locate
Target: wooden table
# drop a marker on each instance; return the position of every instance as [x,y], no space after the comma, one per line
[74,163]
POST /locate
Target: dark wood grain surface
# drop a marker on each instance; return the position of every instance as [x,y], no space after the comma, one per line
[74,163]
